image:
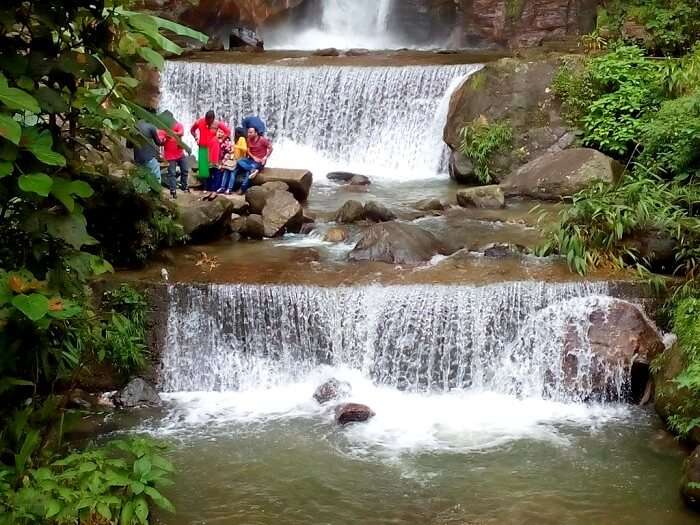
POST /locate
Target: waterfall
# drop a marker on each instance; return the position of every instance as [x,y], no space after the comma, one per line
[506,338]
[384,122]
[342,24]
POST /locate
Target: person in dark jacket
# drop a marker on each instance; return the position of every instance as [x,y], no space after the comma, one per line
[146,154]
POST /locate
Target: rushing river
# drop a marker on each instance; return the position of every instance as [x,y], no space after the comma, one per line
[473,422]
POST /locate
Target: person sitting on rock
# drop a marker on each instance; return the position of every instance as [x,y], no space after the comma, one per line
[237,151]
[259,150]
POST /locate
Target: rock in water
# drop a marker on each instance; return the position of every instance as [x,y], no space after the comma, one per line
[276,185]
[137,392]
[398,243]
[332,389]
[254,227]
[481,197]
[360,180]
[351,211]
[336,235]
[690,484]
[282,213]
[204,220]
[377,212]
[430,204]
[298,181]
[562,174]
[352,413]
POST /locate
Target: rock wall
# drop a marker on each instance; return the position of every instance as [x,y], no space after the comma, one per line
[506,23]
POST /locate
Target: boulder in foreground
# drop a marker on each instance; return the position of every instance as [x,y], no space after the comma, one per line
[398,243]
[352,413]
[299,181]
[332,389]
[138,392]
[561,174]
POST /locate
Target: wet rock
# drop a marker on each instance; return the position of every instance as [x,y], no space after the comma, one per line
[203,220]
[357,52]
[430,205]
[299,181]
[360,180]
[619,334]
[256,197]
[276,185]
[244,37]
[308,216]
[354,188]
[307,228]
[336,235]
[690,483]
[239,202]
[282,213]
[254,227]
[461,169]
[352,413]
[327,52]
[398,243]
[332,389]
[500,249]
[78,398]
[656,247]
[137,392]
[351,211]
[481,197]
[341,176]
[238,223]
[557,175]
[377,212]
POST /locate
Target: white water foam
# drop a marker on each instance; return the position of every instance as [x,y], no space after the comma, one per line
[343,24]
[385,122]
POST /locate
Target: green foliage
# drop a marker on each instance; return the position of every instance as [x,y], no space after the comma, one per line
[119,482]
[67,86]
[686,325]
[596,230]
[670,27]
[481,140]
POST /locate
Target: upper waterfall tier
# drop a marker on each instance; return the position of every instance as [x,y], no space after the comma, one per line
[507,338]
[385,122]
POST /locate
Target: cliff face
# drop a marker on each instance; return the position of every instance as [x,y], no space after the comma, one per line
[477,23]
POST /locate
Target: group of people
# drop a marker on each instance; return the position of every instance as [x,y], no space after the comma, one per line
[226,164]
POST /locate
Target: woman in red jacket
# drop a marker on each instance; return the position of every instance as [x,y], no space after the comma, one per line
[204,131]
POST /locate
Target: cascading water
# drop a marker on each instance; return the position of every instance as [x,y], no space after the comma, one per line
[380,121]
[342,24]
[506,338]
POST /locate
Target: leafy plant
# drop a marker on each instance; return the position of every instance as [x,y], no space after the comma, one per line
[481,140]
[117,482]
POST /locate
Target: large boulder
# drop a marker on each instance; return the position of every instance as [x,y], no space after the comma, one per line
[563,174]
[332,389]
[351,211]
[204,220]
[398,243]
[138,392]
[377,212]
[282,213]
[298,181]
[254,227]
[619,335]
[517,92]
[352,413]
[481,197]
[430,204]
[256,197]
[690,483]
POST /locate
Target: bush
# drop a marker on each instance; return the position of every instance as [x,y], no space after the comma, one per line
[593,231]
[481,140]
[117,482]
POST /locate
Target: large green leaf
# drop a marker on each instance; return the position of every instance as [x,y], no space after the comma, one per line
[64,190]
[152,57]
[51,100]
[40,144]
[38,183]
[71,228]
[34,306]
[127,514]
[141,510]
[181,30]
[10,128]
[6,168]
[17,99]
